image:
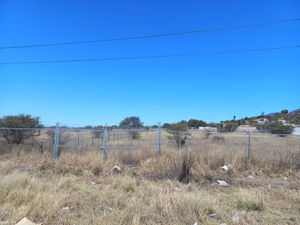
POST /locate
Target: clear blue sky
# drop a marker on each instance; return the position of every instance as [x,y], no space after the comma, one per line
[211,88]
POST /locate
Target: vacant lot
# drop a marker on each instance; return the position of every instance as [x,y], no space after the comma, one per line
[81,188]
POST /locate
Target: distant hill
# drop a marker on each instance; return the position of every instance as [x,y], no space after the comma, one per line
[295,111]
[291,117]
[272,114]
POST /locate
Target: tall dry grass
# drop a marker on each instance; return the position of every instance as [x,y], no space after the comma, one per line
[81,188]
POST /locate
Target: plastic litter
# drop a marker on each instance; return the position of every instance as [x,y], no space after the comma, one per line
[236,218]
[117,169]
[26,221]
[222,183]
[227,167]
[213,215]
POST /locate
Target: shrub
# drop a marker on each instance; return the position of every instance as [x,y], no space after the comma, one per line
[228,127]
[250,200]
[276,128]
[218,139]
[134,134]
[179,133]
[184,172]
[97,170]
[207,133]
[98,132]
[281,129]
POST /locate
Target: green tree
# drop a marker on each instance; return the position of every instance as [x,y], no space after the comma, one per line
[18,136]
[194,123]
[133,122]
[166,125]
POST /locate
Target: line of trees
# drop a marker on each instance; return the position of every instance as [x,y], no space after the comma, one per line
[134,123]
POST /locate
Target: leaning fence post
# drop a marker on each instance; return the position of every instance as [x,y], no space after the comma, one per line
[249,152]
[56,141]
[158,140]
[105,144]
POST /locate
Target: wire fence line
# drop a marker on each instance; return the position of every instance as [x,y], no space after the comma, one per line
[153,140]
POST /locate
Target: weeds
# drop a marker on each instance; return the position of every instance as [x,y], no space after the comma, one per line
[250,200]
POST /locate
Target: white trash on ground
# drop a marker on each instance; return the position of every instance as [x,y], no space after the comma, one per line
[26,221]
[236,218]
[117,169]
[227,167]
[222,183]
[213,216]
[66,208]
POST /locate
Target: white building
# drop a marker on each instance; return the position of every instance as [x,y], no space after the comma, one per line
[296,131]
[210,129]
[262,120]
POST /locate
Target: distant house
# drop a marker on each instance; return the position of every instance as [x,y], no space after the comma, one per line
[282,121]
[296,131]
[286,123]
[262,120]
[246,129]
[210,129]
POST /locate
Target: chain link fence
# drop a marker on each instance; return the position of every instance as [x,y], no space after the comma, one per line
[130,144]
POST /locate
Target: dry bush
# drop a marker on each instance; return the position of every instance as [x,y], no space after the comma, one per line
[217,139]
[132,156]
[161,168]
[250,200]
[186,165]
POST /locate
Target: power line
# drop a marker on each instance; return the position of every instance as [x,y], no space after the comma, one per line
[153,56]
[150,36]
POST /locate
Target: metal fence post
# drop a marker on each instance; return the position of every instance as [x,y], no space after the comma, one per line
[249,152]
[78,144]
[56,141]
[158,140]
[92,138]
[187,144]
[105,143]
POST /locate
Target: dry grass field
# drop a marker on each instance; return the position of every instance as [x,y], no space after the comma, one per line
[81,188]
